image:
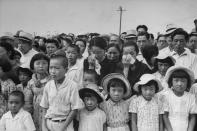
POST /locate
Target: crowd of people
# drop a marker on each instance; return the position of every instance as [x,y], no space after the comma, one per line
[99,82]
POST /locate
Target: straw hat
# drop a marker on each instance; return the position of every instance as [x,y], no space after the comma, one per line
[25,36]
[131,34]
[93,89]
[170,28]
[107,78]
[144,79]
[174,68]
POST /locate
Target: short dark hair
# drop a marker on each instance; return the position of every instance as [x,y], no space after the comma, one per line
[142,26]
[99,42]
[192,34]
[75,47]
[63,59]
[5,65]
[39,56]
[8,47]
[92,72]
[148,51]
[116,82]
[152,82]
[82,40]
[114,45]
[56,42]
[18,94]
[131,43]
[144,34]
[180,31]
[24,70]
[180,74]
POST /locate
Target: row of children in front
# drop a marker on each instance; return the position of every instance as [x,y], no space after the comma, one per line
[170,109]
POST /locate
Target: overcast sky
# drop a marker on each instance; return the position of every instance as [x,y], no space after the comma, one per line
[80,16]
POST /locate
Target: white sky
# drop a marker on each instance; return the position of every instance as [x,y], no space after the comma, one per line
[80,16]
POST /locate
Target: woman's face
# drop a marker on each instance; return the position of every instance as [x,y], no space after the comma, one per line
[99,53]
[81,46]
[113,54]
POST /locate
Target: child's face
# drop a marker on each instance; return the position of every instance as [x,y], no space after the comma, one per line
[163,67]
[41,66]
[71,55]
[116,93]
[81,45]
[14,104]
[88,79]
[51,48]
[90,103]
[23,77]
[56,69]
[148,91]
[179,85]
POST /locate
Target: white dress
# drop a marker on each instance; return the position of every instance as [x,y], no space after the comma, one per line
[179,109]
[91,120]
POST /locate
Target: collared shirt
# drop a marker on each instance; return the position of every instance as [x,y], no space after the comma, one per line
[26,58]
[147,113]
[21,122]
[186,59]
[62,100]
[75,73]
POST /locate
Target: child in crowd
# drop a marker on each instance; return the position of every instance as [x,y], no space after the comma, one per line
[163,62]
[52,45]
[60,101]
[75,71]
[182,106]
[24,75]
[147,109]
[91,118]
[16,119]
[117,107]
[40,65]
[7,85]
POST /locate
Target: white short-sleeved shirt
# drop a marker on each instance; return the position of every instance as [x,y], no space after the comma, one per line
[187,59]
[21,122]
[91,120]
[26,58]
[179,109]
[60,101]
[147,112]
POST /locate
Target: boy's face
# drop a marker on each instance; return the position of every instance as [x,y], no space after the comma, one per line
[88,79]
[14,104]
[148,91]
[51,48]
[56,69]
[179,85]
[81,45]
[71,55]
[24,77]
[90,103]
[163,67]
[116,93]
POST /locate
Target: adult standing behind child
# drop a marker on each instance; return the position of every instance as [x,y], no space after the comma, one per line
[60,101]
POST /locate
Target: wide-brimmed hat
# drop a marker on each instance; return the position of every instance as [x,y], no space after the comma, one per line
[174,68]
[170,28]
[164,57]
[131,34]
[93,89]
[144,79]
[25,36]
[107,78]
